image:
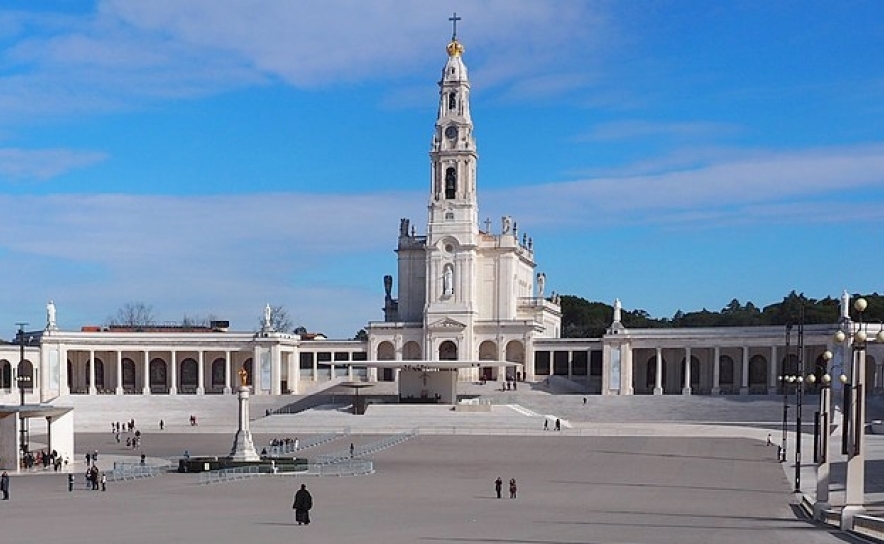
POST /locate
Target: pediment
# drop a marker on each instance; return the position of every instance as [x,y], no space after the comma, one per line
[448,324]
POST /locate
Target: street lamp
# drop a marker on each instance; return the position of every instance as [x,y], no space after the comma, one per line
[854,411]
[786,360]
[821,439]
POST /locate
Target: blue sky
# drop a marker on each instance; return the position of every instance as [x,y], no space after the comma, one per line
[210,157]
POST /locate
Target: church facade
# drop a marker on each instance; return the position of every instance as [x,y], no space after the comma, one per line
[464,292]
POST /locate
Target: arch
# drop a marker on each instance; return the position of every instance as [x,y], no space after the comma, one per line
[26,370]
[515,351]
[218,374]
[757,371]
[5,374]
[488,351]
[726,370]
[157,371]
[247,366]
[411,351]
[450,183]
[386,351]
[99,373]
[448,351]
[128,374]
[188,374]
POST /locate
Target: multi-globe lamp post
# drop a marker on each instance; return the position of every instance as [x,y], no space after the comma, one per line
[852,340]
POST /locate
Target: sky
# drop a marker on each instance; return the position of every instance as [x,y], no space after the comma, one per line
[207,158]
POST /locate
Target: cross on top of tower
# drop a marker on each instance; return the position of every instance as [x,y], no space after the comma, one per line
[454,19]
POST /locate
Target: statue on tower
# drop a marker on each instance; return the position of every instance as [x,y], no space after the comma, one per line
[617,310]
[845,306]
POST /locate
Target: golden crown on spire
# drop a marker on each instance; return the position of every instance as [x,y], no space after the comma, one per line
[455,49]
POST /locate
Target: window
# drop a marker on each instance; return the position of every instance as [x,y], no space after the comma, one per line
[450,183]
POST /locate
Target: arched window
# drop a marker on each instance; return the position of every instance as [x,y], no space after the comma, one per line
[218,372]
[411,351]
[757,370]
[450,182]
[157,370]
[5,374]
[189,373]
[452,100]
[448,351]
[128,374]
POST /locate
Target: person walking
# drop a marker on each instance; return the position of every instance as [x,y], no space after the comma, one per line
[498,486]
[302,505]
[4,485]
[70,482]
[103,481]
[545,424]
[558,424]
[513,488]
[352,449]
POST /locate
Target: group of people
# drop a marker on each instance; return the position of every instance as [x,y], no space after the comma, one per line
[51,459]
[558,425]
[93,478]
[498,487]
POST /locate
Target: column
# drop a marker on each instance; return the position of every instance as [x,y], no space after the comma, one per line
[275,370]
[63,371]
[91,371]
[145,379]
[744,370]
[119,389]
[294,372]
[716,371]
[658,374]
[686,389]
[626,387]
[256,370]
[173,365]
[200,374]
[854,491]
[772,372]
[227,373]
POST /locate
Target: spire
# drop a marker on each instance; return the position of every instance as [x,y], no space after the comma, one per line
[454,48]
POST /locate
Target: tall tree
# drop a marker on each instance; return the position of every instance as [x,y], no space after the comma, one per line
[132,314]
[280,320]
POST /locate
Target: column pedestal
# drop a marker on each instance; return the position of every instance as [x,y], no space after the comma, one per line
[243,448]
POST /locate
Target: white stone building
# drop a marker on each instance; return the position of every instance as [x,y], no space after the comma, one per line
[464,292]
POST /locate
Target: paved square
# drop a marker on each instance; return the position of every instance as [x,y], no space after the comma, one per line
[440,489]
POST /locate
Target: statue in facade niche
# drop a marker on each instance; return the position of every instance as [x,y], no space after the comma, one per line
[448,281]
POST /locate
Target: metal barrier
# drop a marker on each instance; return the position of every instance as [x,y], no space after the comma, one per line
[366,449]
[309,442]
[132,471]
[349,467]
[229,474]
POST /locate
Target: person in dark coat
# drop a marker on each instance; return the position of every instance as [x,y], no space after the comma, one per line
[302,505]
[513,488]
[4,485]
[498,486]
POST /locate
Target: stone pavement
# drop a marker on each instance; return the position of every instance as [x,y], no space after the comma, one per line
[644,479]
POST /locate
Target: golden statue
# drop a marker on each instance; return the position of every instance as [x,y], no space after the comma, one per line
[243,376]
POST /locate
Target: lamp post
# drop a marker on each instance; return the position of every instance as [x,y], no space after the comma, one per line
[21,381]
[821,440]
[855,413]
[785,392]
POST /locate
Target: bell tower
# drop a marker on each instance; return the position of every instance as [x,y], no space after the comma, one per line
[453,225]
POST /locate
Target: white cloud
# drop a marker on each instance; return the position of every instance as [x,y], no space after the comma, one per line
[634,129]
[42,164]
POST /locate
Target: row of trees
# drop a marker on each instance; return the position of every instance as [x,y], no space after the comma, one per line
[586,319]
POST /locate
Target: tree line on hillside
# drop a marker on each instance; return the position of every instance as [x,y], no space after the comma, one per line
[582,318]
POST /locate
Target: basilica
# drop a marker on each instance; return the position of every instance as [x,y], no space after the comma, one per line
[469,304]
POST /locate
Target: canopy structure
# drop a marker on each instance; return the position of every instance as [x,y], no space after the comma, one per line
[431,381]
[14,436]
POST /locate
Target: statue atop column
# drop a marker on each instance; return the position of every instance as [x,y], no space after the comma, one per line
[268,316]
[50,317]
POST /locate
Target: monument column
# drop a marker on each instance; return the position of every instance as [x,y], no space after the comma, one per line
[686,388]
[91,371]
[716,370]
[119,388]
[658,374]
[173,379]
[200,373]
[243,448]
[744,372]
